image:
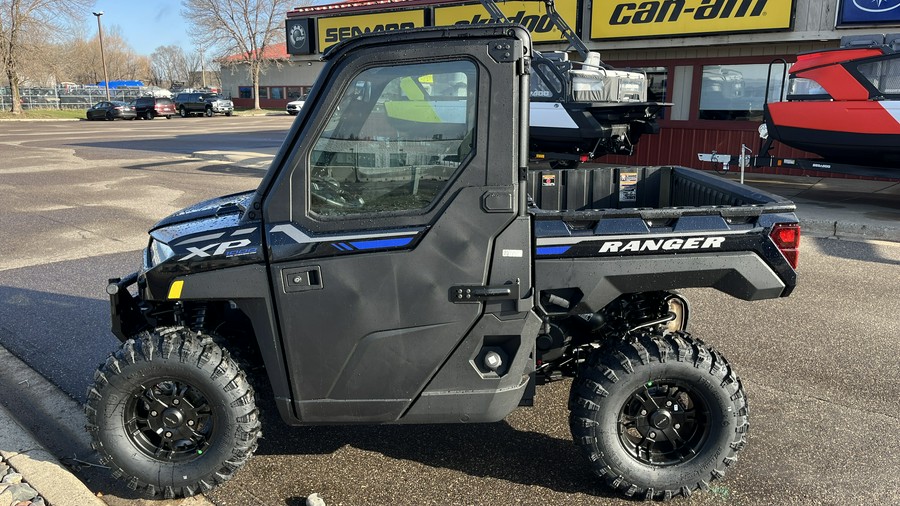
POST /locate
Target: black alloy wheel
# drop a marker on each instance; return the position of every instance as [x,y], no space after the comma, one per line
[664,423]
[172,413]
[170,421]
[659,415]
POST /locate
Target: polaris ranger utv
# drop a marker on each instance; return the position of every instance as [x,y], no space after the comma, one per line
[429,275]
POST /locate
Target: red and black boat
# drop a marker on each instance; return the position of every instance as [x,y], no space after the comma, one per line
[843,105]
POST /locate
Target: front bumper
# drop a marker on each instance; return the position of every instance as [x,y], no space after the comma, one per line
[126,316]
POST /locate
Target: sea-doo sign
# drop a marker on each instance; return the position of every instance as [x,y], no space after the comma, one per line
[616,19]
[531,15]
[335,29]
[868,12]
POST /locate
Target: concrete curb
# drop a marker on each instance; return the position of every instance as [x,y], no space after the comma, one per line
[41,470]
[848,230]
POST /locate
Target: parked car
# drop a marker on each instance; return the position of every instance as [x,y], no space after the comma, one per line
[111,111]
[293,108]
[202,103]
[151,107]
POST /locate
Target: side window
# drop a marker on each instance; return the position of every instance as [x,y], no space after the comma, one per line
[883,74]
[737,92]
[395,141]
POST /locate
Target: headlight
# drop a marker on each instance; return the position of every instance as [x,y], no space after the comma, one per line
[159,253]
[764,131]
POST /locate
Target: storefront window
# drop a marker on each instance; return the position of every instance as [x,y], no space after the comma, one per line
[296,92]
[657,83]
[277,92]
[263,92]
[737,92]
[245,92]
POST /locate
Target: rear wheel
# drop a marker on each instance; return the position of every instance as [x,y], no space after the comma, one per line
[182,112]
[172,413]
[659,416]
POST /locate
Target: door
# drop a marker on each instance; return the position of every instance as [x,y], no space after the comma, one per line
[402,176]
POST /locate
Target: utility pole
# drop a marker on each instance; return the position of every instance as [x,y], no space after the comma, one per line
[202,68]
[102,56]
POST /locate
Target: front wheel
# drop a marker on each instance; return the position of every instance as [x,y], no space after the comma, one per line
[172,413]
[659,416]
[209,112]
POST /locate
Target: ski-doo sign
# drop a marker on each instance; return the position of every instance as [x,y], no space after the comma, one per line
[335,29]
[615,19]
[531,15]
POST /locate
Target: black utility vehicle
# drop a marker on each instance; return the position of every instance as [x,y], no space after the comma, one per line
[151,107]
[208,103]
[419,271]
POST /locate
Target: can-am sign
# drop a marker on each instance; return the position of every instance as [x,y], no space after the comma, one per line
[335,29]
[616,19]
[868,12]
[531,15]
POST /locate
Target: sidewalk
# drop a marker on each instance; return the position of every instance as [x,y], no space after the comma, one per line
[35,476]
[841,208]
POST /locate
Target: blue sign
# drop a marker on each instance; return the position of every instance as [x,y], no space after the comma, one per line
[869,12]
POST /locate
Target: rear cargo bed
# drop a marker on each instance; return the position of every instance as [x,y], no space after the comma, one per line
[647,192]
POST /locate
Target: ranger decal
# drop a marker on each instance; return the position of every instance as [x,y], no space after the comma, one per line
[662,244]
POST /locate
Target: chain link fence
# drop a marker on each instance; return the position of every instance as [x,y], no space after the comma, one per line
[70,97]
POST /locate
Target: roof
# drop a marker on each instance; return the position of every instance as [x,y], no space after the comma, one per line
[273,52]
[361,5]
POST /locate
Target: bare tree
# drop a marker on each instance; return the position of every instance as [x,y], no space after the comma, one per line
[30,20]
[244,28]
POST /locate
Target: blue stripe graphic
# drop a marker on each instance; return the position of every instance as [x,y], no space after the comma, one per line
[552,250]
[383,243]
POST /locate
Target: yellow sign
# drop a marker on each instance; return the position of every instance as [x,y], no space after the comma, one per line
[335,29]
[531,15]
[619,19]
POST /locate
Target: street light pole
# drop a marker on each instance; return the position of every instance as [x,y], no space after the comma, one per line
[102,56]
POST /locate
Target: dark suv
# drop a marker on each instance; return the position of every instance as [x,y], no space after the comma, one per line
[202,103]
[151,107]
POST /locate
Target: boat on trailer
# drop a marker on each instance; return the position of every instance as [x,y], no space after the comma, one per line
[583,109]
[842,104]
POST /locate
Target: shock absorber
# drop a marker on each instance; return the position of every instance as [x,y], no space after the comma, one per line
[197,317]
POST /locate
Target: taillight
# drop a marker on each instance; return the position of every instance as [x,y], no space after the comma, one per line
[786,237]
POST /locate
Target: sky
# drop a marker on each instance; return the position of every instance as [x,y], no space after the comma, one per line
[146,25]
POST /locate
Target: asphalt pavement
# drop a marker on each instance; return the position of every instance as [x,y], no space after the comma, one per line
[827,207]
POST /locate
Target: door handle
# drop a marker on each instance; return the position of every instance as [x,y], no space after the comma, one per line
[301,279]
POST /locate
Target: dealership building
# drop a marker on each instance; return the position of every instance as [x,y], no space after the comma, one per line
[711,59]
